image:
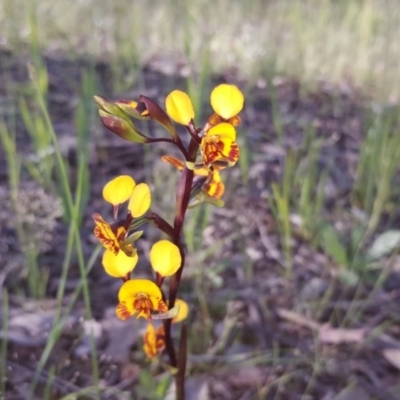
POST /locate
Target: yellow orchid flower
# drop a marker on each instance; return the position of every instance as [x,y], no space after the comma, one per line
[140,296]
[153,340]
[219,143]
[165,257]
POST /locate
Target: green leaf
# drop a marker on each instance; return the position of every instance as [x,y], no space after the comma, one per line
[333,246]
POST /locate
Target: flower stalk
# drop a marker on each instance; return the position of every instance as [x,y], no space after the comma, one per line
[211,149]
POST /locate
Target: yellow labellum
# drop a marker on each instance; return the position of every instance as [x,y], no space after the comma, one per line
[165,257]
[118,190]
[118,266]
[223,131]
[219,144]
[179,107]
[134,287]
[227,100]
[140,296]
[140,200]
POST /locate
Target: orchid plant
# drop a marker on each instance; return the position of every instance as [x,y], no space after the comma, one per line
[209,150]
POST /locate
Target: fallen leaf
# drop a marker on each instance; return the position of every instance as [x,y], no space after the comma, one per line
[384,244]
[393,356]
[327,334]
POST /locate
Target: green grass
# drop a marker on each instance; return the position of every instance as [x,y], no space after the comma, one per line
[51,170]
[72,210]
[280,205]
[340,40]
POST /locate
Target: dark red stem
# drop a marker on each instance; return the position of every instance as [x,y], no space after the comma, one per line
[182,202]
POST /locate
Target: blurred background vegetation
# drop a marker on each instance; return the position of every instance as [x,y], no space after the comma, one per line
[311,221]
[335,39]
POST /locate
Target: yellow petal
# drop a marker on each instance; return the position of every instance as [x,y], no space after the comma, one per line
[118,266]
[140,200]
[149,341]
[224,131]
[130,289]
[201,172]
[118,190]
[179,107]
[183,311]
[165,257]
[227,100]
[215,187]
[153,340]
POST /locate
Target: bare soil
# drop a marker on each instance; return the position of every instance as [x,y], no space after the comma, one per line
[255,332]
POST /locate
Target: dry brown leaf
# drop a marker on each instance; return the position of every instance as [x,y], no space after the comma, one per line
[327,334]
[393,356]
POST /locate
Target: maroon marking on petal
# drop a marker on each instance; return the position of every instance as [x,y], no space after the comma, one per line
[233,152]
[122,311]
[162,307]
[142,304]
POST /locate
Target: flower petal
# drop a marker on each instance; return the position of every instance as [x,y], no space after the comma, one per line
[224,131]
[153,340]
[183,311]
[215,188]
[149,341]
[179,107]
[165,257]
[105,234]
[118,190]
[227,100]
[118,266]
[140,200]
[173,161]
[199,170]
